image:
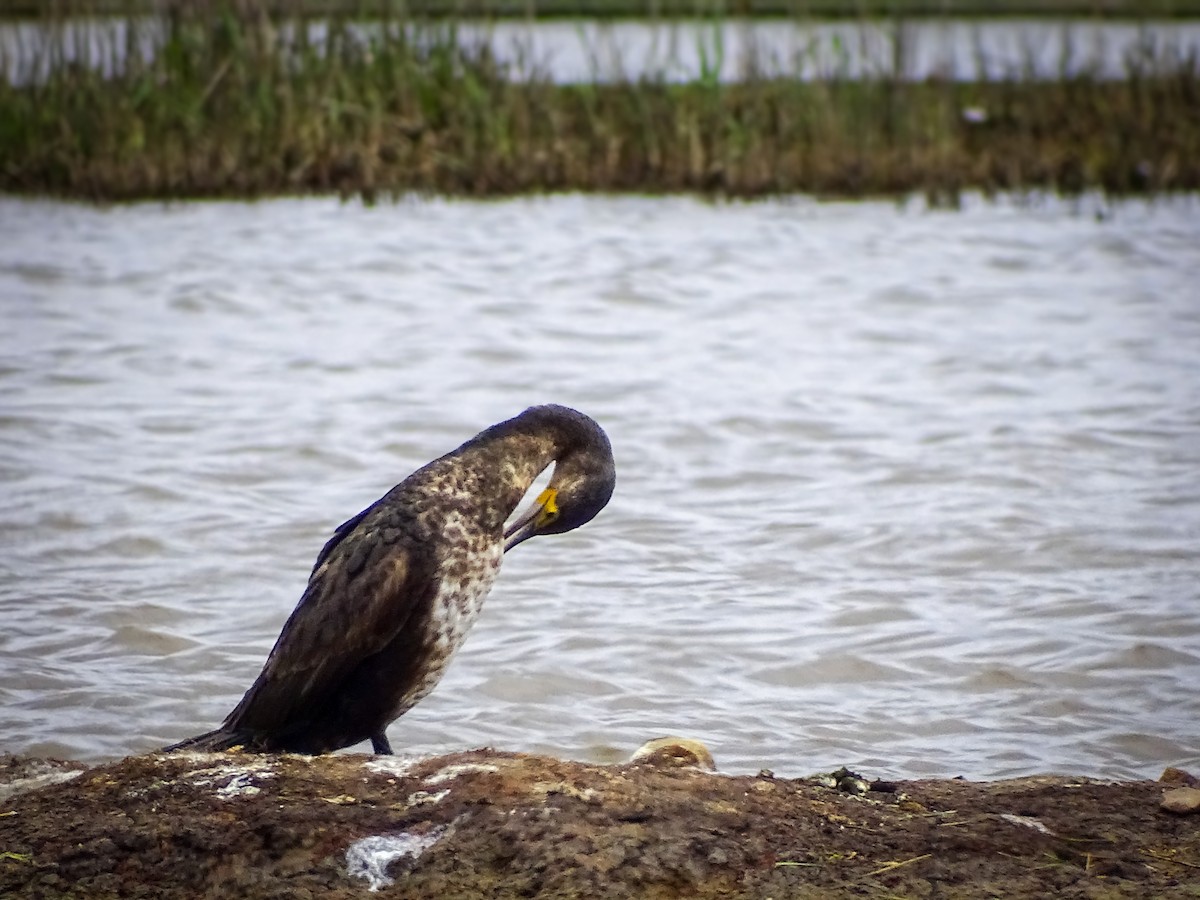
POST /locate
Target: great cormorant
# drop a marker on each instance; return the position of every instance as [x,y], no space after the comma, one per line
[395,590]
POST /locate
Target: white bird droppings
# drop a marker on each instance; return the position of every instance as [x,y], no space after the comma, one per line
[1027,821]
[232,780]
[391,765]
[369,858]
[451,772]
[424,798]
[238,786]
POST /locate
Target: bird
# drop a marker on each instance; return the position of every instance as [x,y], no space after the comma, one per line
[394,591]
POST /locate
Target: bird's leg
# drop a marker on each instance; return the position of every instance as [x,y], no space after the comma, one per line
[379,743]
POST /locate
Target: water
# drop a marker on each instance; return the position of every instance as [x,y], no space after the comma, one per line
[909,490]
[730,49]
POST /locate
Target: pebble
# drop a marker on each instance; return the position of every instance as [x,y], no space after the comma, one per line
[1182,801]
[675,752]
[1172,775]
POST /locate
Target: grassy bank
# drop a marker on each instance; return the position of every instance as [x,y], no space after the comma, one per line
[230,107]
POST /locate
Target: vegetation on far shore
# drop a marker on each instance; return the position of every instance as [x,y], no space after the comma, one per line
[231,104]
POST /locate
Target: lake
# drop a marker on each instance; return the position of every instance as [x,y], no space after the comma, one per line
[726,49]
[906,489]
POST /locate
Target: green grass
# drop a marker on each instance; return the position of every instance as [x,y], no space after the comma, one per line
[229,107]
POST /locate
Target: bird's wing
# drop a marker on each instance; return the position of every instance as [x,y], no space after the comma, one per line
[338,534]
[367,582]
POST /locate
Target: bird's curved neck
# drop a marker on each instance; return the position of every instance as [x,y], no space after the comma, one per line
[499,470]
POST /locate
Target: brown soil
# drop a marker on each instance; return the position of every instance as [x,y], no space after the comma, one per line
[492,824]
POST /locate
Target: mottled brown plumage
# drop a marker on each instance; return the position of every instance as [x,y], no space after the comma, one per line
[394,591]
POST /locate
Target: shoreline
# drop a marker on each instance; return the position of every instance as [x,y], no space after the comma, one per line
[487,823]
[252,106]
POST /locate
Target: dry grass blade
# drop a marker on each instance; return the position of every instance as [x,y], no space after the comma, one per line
[892,866]
[1168,858]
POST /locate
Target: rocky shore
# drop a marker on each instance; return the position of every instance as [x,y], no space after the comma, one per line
[487,823]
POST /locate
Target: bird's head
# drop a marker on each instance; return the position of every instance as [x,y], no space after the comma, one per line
[582,483]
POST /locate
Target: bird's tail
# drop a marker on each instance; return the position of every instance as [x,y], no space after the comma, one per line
[210,742]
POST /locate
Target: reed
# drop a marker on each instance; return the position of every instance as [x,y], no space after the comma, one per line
[235,104]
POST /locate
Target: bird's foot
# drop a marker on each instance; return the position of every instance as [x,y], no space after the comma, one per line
[379,743]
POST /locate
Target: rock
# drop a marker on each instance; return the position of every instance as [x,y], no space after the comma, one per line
[1172,775]
[503,825]
[674,752]
[1181,801]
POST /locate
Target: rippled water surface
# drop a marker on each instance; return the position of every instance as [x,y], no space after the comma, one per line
[729,49]
[914,491]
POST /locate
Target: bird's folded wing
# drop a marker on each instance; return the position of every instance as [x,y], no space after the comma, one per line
[361,594]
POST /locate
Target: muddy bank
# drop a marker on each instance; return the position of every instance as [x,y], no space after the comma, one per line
[486,823]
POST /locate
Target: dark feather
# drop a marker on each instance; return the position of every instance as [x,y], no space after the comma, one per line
[369,636]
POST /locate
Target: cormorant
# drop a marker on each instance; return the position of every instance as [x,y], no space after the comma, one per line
[395,590]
